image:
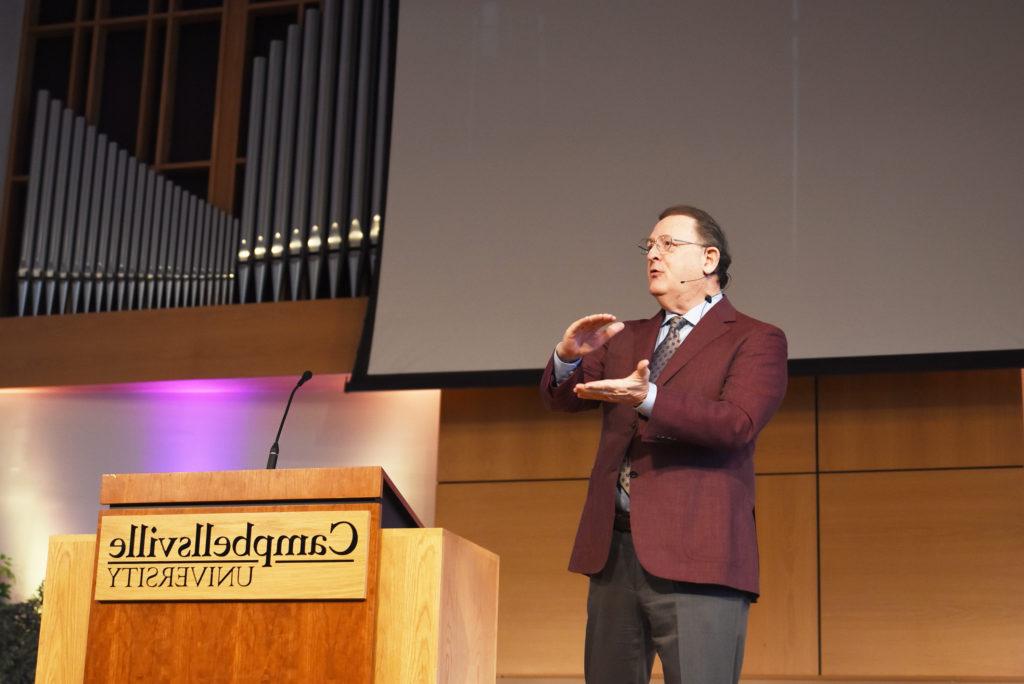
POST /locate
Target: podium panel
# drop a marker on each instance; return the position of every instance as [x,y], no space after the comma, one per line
[438,609]
[65,626]
[430,613]
[200,641]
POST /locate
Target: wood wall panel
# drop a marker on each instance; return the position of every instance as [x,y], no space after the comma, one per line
[228,107]
[786,445]
[542,613]
[921,573]
[541,605]
[233,341]
[908,560]
[921,420]
[506,434]
[782,636]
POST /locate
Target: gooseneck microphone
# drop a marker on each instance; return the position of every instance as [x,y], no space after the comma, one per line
[276,448]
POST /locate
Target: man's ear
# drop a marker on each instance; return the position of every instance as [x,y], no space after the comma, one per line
[711,259]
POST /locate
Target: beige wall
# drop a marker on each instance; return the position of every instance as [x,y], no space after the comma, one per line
[898,495]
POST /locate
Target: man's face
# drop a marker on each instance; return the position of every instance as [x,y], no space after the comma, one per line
[683,262]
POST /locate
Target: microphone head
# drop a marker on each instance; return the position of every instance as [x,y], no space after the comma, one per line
[707,298]
[306,376]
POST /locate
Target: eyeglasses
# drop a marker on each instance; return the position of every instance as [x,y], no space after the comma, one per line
[665,244]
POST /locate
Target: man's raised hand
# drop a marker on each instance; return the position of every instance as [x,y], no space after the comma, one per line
[586,335]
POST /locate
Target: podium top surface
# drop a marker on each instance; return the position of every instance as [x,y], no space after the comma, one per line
[287,485]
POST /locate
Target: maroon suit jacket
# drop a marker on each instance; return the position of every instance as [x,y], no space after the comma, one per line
[692,501]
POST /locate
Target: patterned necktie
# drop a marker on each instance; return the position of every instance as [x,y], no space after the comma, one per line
[662,354]
[667,348]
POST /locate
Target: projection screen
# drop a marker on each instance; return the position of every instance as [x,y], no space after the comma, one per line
[865,159]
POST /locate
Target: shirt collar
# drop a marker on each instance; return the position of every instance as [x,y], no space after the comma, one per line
[698,312]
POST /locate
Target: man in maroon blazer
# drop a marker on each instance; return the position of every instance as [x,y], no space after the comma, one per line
[667,533]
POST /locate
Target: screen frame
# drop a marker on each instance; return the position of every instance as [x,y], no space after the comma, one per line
[362,381]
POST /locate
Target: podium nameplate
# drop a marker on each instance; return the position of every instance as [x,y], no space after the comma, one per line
[233,556]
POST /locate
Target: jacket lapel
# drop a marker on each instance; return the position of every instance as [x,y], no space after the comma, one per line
[646,335]
[713,325]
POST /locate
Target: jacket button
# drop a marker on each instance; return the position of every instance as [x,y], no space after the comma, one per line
[633,426]
[633,474]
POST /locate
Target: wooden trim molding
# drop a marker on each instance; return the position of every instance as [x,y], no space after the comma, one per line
[234,341]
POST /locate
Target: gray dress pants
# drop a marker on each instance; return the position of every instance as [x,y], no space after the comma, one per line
[697,630]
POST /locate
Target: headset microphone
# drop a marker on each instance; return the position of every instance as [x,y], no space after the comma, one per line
[693,280]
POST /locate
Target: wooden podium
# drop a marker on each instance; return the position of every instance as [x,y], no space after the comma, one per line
[226,577]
